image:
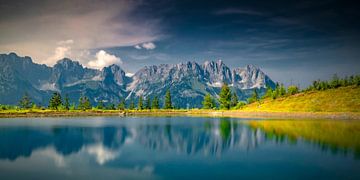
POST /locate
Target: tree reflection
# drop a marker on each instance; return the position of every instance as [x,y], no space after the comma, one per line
[212,137]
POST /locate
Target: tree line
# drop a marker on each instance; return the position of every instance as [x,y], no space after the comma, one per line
[56,102]
[229,100]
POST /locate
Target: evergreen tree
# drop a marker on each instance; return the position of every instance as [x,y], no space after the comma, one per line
[121,105]
[254,97]
[87,104]
[225,97]
[357,80]
[351,80]
[208,102]
[132,104]
[269,92]
[84,103]
[72,107]
[81,99]
[148,103]
[234,100]
[276,92]
[25,101]
[67,103]
[111,107]
[55,101]
[140,103]
[168,102]
[155,103]
[293,90]
[282,90]
[100,105]
[335,83]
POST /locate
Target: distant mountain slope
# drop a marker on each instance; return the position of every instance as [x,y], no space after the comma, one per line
[343,99]
[188,82]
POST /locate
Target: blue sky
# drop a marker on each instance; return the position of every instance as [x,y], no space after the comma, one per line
[292,41]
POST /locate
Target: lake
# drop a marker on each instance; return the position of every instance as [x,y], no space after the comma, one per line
[178,148]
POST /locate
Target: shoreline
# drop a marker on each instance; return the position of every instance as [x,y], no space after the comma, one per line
[204,113]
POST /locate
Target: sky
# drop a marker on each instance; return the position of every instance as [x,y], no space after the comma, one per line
[294,42]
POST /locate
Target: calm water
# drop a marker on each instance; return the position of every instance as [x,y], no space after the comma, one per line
[173,148]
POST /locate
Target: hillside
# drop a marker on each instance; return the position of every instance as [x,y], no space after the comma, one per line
[344,99]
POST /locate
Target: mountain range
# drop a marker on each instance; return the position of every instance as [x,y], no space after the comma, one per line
[188,82]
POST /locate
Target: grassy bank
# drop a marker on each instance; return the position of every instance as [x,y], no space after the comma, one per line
[192,112]
[92,112]
[343,99]
[340,103]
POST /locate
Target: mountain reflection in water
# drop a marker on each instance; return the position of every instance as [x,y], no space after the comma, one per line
[208,137]
[148,147]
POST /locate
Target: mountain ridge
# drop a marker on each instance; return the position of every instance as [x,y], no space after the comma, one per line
[188,81]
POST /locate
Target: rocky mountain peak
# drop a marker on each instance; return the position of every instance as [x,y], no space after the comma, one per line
[187,81]
[114,73]
[67,63]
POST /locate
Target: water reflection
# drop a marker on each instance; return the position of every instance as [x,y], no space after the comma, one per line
[338,137]
[161,147]
[208,137]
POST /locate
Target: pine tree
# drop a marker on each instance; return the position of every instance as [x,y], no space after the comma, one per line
[234,99]
[335,83]
[282,90]
[100,105]
[121,105]
[155,103]
[55,101]
[81,106]
[148,103]
[168,102]
[208,102]
[111,107]
[276,92]
[67,103]
[357,80]
[293,90]
[132,105]
[254,97]
[269,92]
[87,104]
[140,103]
[25,101]
[72,107]
[225,97]
[84,103]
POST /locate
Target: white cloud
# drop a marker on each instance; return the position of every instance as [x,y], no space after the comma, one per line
[137,46]
[66,42]
[70,26]
[62,51]
[148,45]
[104,59]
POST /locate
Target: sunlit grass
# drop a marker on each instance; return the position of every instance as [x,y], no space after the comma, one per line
[344,99]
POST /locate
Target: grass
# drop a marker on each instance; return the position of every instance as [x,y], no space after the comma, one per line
[343,99]
[336,135]
[36,112]
[340,103]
